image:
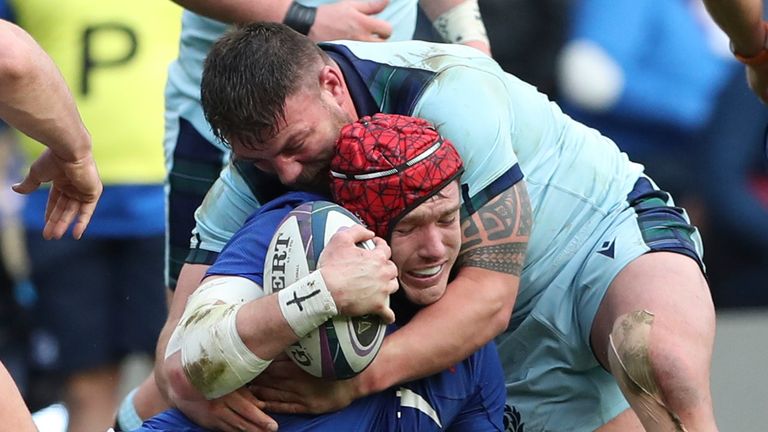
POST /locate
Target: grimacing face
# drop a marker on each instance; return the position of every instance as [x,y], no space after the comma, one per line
[425,244]
[301,152]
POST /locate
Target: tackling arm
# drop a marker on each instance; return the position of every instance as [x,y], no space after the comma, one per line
[477,305]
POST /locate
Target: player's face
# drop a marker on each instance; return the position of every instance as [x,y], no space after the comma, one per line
[301,152]
[425,244]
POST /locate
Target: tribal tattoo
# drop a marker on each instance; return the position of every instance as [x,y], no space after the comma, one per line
[495,237]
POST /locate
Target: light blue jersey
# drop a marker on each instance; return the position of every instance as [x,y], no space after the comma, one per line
[498,124]
[593,210]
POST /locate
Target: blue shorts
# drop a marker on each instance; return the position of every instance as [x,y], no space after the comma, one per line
[99,299]
[552,376]
[468,397]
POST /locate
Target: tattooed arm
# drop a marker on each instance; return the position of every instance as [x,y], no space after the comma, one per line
[477,305]
[475,308]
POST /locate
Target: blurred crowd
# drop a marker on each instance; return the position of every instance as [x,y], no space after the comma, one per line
[659,80]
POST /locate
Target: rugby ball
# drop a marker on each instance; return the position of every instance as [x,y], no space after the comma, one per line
[343,346]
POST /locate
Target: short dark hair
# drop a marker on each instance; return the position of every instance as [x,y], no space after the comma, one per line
[247,76]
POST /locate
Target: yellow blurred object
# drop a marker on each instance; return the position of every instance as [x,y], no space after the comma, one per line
[97,44]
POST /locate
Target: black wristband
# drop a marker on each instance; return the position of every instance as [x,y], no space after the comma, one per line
[300,17]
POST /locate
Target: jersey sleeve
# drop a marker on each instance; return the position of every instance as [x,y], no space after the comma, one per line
[224,210]
[244,255]
[470,107]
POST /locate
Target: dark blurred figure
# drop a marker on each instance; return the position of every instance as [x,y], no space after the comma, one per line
[733,175]
[526,36]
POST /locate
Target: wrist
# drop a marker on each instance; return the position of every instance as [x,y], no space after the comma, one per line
[461,24]
[81,151]
[757,54]
[300,17]
[307,303]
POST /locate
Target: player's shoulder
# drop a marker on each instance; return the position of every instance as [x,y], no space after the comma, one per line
[414,54]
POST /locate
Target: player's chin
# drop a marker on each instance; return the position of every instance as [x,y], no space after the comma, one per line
[423,294]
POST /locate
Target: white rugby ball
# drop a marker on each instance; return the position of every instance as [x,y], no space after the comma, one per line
[343,346]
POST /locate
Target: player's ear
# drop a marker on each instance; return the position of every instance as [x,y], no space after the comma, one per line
[331,81]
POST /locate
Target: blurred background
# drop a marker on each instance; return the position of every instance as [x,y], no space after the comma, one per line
[656,76]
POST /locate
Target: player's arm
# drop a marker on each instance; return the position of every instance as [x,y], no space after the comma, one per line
[224,210]
[346,19]
[458,21]
[742,21]
[477,304]
[216,348]
[35,99]
[238,410]
[475,308]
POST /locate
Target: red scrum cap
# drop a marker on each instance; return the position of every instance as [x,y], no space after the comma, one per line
[386,165]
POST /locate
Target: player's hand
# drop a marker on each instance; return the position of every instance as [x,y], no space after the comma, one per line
[350,19]
[239,411]
[360,280]
[757,77]
[285,388]
[75,190]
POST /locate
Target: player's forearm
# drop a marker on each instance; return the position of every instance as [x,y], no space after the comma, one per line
[477,304]
[35,99]
[470,314]
[458,21]
[261,328]
[264,329]
[742,21]
[239,11]
[230,332]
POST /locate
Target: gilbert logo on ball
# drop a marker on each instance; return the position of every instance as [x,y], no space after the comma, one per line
[342,346]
